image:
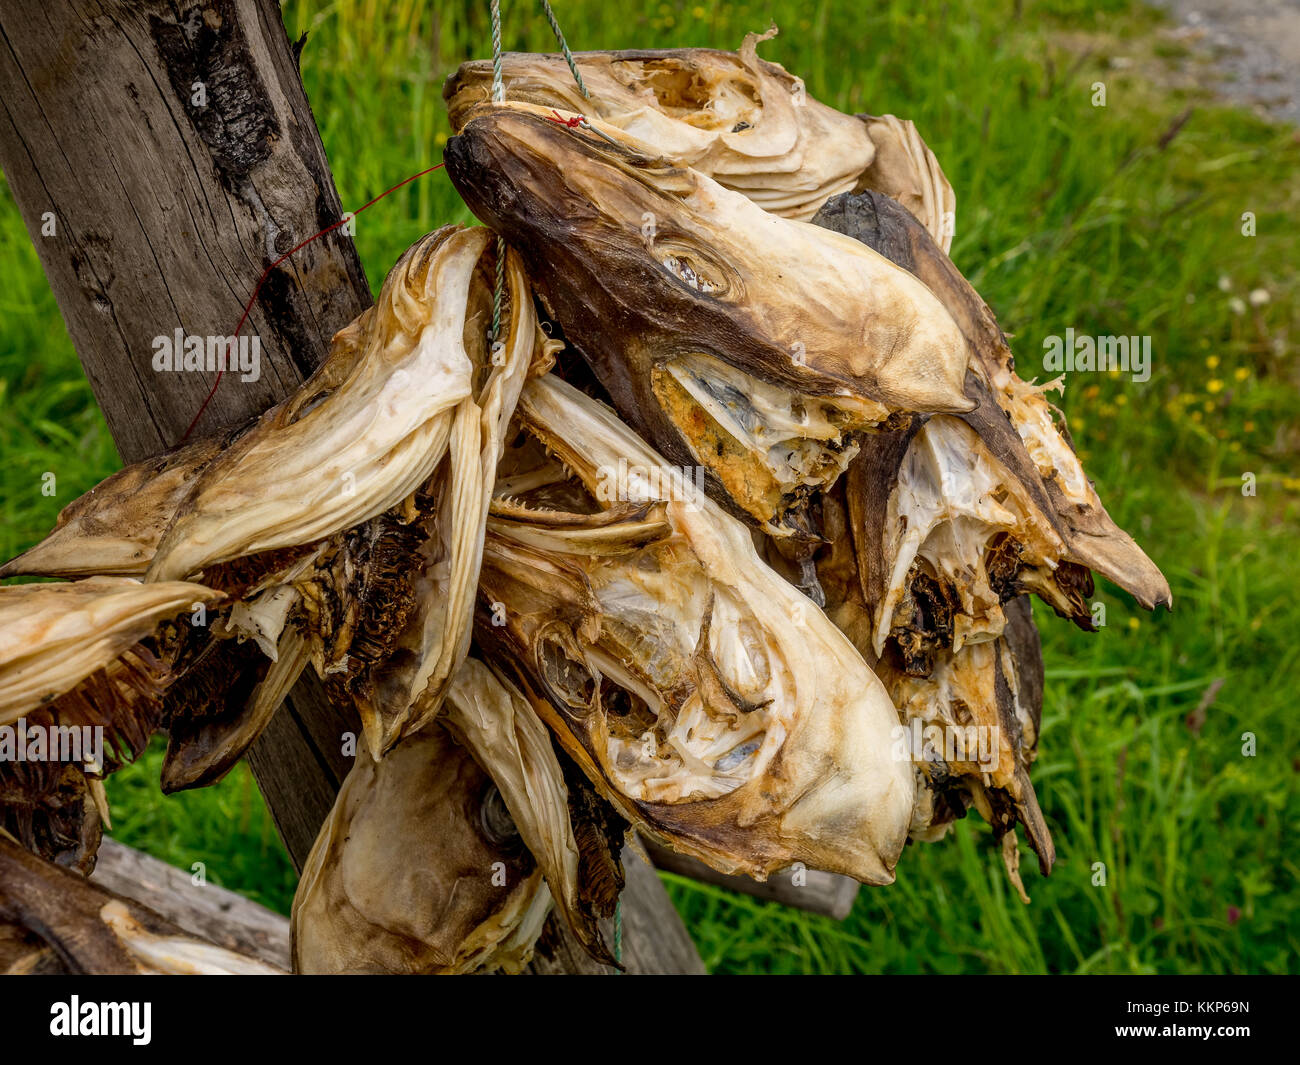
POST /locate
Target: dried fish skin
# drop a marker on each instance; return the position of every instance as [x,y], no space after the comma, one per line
[744,121]
[768,735]
[202,749]
[489,717]
[735,325]
[905,170]
[341,452]
[54,636]
[400,879]
[405,690]
[1043,459]
[113,529]
[972,727]
[74,658]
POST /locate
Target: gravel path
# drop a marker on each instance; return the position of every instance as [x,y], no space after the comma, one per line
[1255,44]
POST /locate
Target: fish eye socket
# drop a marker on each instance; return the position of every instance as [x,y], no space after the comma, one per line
[572,681]
[498,826]
[310,404]
[693,270]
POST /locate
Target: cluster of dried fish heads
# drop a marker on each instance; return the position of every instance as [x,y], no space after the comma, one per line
[703,569]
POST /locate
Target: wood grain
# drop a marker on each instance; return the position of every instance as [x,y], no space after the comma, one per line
[204,910]
[166,214]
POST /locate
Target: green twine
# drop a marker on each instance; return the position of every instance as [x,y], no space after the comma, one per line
[618,934]
[564,47]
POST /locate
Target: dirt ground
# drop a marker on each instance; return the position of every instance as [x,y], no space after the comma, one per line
[1255,45]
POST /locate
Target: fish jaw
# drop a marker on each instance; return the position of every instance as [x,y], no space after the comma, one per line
[771,737]
[655,272]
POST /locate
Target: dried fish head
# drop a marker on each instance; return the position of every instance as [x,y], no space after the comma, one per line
[220,702]
[758,348]
[971,728]
[1039,452]
[708,700]
[75,658]
[416,870]
[354,510]
[113,529]
[743,121]
[945,534]
[356,439]
[55,636]
[969,717]
[415,618]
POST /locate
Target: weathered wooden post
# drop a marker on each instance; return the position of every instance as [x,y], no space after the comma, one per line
[173,148]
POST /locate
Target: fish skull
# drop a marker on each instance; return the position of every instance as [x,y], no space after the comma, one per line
[409,876]
[743,121]
[756,347]
[709,700]
[1039,453]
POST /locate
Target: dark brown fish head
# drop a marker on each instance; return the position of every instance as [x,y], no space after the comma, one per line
[755,347]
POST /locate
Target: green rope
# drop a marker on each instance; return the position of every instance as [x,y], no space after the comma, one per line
[498,86]
[498,95]
[618,932]
[496,292]
[564,47]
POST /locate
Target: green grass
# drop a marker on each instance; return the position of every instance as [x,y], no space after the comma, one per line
[1068,215]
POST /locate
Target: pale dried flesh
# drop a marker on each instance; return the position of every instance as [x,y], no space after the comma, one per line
[708,700]
[736,327]
[407,878]
[948,536]
[745,122]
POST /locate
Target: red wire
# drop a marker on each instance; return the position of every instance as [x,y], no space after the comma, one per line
[248,307]
[572,123]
